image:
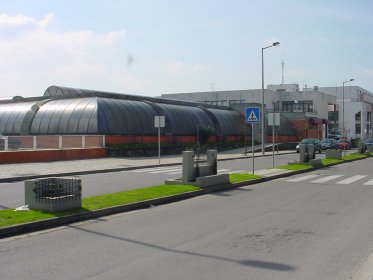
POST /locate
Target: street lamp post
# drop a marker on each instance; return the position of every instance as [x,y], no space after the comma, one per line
[263,114]
[343,106]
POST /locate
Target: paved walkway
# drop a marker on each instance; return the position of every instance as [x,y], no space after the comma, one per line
[102,164]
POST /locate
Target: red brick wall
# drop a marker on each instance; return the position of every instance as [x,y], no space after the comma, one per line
[51,155]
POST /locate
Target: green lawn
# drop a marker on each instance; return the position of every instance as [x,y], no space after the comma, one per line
[10,217]
[294,166]
[239,177]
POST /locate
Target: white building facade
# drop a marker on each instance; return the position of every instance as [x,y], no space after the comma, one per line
[353,111]
[318,103]
[287,99]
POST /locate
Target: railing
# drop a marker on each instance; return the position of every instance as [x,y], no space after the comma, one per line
[11,143]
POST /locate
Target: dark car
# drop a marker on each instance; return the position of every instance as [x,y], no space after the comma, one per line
[368,144]
[311,141]
[329,143]
[344,144]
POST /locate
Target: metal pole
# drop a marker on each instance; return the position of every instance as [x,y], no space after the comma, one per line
[273,145]
[252,144]
[343,106]
[262,120]
[263,113]
[343,109]
[244,128]
[159,144]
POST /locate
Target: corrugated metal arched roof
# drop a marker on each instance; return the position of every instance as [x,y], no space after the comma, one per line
[75,111]
[12,116]
[66,116]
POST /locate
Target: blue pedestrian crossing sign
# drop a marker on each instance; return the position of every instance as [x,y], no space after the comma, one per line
[252,115]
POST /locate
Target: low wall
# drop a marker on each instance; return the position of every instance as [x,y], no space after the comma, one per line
[51,155]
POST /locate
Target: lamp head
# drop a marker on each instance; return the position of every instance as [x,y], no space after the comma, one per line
[351,80]
[276,44]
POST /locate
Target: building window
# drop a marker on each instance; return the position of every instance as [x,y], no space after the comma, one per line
[304,106]
[369,122]
[231,102]
[358,123]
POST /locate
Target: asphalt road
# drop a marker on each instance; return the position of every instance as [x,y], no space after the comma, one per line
[290,228]
[12,194]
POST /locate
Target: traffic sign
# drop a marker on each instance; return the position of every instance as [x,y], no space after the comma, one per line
[273,118]
[252,115]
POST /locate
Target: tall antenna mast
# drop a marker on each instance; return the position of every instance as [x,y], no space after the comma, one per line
[283,66]
[212,86]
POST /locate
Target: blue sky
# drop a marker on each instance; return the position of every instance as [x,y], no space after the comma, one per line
[152,47]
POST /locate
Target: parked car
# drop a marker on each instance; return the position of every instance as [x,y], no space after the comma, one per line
[368,143]
[329,143]
[344,144]
[334,136]
[311,141]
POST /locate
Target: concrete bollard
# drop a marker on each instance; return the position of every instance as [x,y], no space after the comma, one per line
[188,167]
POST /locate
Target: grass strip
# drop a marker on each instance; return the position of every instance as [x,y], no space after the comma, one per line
[354,156]
[294,166]
[240,177]
[10,217]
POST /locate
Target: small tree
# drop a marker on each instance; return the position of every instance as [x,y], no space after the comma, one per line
[204,132]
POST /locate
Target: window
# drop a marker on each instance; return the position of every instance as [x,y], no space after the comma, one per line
[358,123]
[369,122]
[236,101]
[301,106]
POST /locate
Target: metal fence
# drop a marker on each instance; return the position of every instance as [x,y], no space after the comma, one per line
[57,190]
[11,143]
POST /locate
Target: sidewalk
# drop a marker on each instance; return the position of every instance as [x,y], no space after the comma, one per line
[22,171]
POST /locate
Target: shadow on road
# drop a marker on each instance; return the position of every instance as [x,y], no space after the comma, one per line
[252,263]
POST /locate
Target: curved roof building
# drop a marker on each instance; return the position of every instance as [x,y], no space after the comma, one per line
[76,111]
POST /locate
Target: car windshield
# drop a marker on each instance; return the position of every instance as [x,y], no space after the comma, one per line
[307,141]
[327,141]
[342,141]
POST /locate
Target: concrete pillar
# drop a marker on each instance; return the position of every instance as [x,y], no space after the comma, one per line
[303,154]
[188,167]
[212,160]
[311,152]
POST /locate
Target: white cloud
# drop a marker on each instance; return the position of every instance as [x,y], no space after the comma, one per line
[201,67]
[180,68]
[35,52]
[22,20]
[176,67]
[368,73]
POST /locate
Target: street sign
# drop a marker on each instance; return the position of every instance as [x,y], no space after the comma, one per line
[159,121]
[252,115]
[273,118]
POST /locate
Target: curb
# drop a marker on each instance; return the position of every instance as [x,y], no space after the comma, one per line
[61,221]
[87,172]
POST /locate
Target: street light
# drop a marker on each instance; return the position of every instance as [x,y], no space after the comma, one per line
[343,106]
[263,115]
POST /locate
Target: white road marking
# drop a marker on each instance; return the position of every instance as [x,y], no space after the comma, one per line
[369,183]
[165,171]
[151,169]
[327,178]
[351,179]
[306,177]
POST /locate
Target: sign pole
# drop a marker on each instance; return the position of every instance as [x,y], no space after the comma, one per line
[159,144]
[252,116]
[252,144]
[159,121]
[273,146]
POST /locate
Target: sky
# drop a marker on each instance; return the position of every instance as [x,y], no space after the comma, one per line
[154,47]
